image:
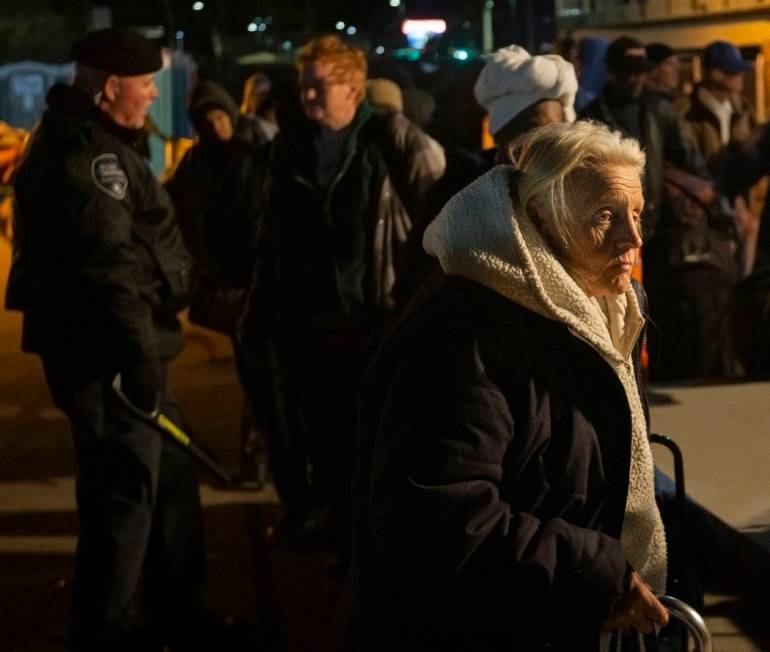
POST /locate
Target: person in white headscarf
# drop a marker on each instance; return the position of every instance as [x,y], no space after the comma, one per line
[503,495]
[521,92]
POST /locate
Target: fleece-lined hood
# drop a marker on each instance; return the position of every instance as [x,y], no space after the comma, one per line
[479,236]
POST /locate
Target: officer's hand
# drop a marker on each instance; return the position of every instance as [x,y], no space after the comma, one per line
[142,384]
[638,609]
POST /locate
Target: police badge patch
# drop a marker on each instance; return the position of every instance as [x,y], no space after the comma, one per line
[109,176]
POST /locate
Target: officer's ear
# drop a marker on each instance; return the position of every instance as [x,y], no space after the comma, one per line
[111,88]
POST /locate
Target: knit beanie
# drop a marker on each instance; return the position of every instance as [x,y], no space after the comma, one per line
[512,80]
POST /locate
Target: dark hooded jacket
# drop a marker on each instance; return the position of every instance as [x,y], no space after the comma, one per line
[99,266]
[494,460]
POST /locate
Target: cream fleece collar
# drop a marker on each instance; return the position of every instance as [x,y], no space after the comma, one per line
[478,236]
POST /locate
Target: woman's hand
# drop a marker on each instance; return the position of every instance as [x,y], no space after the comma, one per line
[638,609]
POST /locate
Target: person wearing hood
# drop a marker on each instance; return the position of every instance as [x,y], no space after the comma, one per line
[215,189]
[519,92]
[503,491]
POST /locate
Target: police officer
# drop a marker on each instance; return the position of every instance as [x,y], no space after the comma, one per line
[100,271]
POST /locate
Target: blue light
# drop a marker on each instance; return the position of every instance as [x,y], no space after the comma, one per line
[351,30]
[252,27]
[461,55]
[179,35]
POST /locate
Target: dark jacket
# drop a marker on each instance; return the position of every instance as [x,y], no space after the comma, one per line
[701,126]
[491,483]
[99,267]
[662,142]
[344,254]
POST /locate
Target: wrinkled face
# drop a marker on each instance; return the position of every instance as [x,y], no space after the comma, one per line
[128,99]
[607,207]
[667,72]
[217,126]
[326,97]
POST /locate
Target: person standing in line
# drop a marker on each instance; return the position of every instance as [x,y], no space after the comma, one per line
[337,259]
[100,271]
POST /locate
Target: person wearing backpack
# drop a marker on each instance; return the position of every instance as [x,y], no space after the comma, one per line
[337,257]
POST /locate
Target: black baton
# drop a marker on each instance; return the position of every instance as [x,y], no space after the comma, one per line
[167,427]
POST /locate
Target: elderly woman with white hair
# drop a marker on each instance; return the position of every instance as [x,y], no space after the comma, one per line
[503,496]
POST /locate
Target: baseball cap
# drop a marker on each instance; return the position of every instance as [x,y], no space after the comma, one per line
[724,56]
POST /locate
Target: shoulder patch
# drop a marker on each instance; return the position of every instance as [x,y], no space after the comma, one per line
[109,176]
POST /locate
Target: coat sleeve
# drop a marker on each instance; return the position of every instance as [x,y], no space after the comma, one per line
[107,267]
[437,515]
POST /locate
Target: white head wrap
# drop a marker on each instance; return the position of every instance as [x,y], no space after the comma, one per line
[512,80]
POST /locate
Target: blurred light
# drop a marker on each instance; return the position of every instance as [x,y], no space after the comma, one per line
[269,20]
[262,27]
[179,35]
[461,55]
[351,30]
[252,27]
[489,4]
[340,25]
[466,24]
[395,3]
[286,45]
[379,50]
[197,6]
[418,32]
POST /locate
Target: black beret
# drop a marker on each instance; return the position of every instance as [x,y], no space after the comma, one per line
[118,50]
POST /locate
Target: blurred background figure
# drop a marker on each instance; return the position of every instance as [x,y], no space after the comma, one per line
[214,189]
[664,78]
[258,105]
[520,92]
[590,69]
[337,259]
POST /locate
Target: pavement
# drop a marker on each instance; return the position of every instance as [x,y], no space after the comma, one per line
[289,598]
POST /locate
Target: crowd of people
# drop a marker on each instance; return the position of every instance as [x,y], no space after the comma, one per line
[441,346]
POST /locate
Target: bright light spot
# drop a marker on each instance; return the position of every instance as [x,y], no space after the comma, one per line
[379,50]
[340,25]
[252,27]
[462,55]
[179,35]
[489,4]
[262,27]
[286,45]
[419,31]
[197,6]
[351,30]
[395,3]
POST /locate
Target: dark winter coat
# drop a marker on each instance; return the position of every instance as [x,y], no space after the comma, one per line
[344,254]
[492,481]
[99,266]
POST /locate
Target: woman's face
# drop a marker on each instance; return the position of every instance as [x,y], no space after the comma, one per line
[606,207]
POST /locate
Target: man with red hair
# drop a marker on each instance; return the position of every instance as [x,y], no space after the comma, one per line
[341,232]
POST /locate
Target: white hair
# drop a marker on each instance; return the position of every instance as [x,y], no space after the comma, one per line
[550,157]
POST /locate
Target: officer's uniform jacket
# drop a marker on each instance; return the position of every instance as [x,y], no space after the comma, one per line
[99,267]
